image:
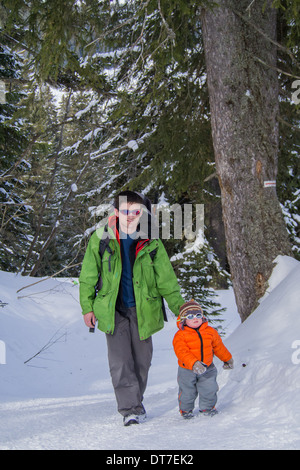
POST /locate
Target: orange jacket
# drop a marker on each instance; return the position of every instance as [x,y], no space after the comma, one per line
[191,345]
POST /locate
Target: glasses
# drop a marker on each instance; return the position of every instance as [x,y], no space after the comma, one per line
[134,212]
[191,316]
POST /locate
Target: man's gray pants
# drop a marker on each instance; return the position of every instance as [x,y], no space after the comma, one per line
[129,362]
[192,385]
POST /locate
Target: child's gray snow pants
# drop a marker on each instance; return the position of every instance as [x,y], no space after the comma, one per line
[129,362]
[191,385]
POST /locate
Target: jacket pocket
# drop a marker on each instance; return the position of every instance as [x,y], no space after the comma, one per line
[103,310]
[148,275]
[154,307]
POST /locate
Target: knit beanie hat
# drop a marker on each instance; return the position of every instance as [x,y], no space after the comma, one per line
[189,307]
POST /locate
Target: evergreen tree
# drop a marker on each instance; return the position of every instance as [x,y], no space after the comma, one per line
[289,122]
[14,144]
[241,56]
[200,275]
[138,116]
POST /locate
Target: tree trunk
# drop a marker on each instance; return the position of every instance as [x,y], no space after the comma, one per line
[243,92]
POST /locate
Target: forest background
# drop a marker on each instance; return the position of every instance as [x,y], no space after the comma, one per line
[101,96]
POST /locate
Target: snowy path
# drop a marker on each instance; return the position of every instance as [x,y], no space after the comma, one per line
[90,423]
[63,398]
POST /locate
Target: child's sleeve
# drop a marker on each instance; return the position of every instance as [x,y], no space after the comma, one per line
[219,348]
[183,352]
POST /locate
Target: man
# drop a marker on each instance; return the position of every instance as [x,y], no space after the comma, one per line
[136,274]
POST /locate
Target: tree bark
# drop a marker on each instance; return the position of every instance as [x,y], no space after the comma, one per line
[243,92]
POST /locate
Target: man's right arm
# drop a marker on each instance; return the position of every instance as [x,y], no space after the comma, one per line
[89,319]
[89,275]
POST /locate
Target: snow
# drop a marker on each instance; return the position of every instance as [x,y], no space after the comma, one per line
[63,399]
[132,144]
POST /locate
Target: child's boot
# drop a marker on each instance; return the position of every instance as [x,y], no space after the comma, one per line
[187,414]
[211,412]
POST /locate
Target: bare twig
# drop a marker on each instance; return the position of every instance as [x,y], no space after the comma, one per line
[48,345]
[49,277]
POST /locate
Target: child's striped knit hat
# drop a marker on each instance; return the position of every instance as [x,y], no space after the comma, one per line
[189,307]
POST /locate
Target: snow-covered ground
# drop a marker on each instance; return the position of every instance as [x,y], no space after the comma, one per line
[63,398]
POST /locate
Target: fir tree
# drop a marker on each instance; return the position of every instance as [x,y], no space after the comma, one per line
[14,144]
[200,275]
[138,118]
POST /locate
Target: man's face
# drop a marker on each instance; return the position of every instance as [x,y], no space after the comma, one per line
[129,215]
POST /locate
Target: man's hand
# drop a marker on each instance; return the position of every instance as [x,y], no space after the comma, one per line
[90,319]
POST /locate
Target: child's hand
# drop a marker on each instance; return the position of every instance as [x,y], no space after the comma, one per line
[228,365]
[199,368]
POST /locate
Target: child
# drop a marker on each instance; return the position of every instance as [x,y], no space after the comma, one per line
[195,345]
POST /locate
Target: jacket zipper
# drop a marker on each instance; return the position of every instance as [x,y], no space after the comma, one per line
[201,343]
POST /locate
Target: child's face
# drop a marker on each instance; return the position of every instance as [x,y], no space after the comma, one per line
[194,323]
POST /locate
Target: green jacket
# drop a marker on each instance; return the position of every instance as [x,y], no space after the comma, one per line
[152,280]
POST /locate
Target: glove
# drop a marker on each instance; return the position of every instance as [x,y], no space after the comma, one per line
[199,368]
[228,365]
